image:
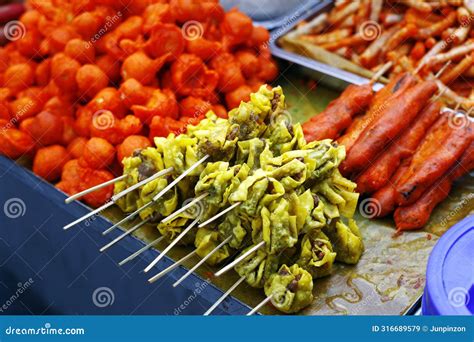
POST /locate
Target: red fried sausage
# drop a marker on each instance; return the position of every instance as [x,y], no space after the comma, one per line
[394,88]
[396,117]
[378,174]
[443,145]
[417,214]
[338,115]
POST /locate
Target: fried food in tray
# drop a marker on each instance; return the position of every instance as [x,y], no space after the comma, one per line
[401,147]
[362,35]
[288,192]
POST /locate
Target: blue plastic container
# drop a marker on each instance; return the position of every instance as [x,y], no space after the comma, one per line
[449,286]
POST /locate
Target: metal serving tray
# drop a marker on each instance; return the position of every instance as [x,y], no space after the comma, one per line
[331,76]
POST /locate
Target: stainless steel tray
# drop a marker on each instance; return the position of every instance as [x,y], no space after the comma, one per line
[326,74]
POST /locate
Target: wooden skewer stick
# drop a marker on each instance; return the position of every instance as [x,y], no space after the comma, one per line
[171,245]
[184,208]
[240,258]
[159,195]
[124,234]
[224,296]
[443,69]
[94,188]
[143,182]
[116,197]
[171,267]
[202,261]
[260,305]
[89,214]
[140,251]
[223,212]
[381,71]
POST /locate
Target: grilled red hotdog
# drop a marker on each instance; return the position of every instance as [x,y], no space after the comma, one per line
[416,215]
[395,87]
[378,174]
[398,114]
[339,113]
[444,144]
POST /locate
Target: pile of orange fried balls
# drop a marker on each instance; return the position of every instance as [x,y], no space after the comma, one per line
[85,83]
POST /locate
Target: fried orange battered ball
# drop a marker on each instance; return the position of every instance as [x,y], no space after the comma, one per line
[165,39]
[76,147]
[98,153]
[76,178]
[194,107]
[14,143]
[190,76]
[133,92]
[234,97]
[19,76]
[80,50]
[130,145]
[45,128]
[24,107]
[141,67]
[236,27]
[230,75]
[90,80]
[108,99]
[49,161]
[63,71]
[161,103]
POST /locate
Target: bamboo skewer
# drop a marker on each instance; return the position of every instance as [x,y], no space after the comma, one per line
[124,234]
[171,267]
[116,197]
[223,212]
[240,258]
[171,245]
[140,251]
[224,296]
[159,195]
[202,261]
[94,188]
[260,305]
